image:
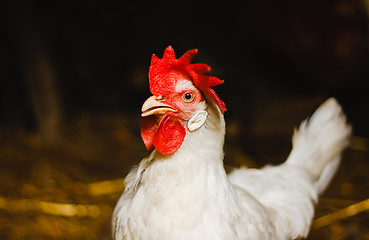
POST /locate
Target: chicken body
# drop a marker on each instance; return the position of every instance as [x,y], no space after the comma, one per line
[188,195]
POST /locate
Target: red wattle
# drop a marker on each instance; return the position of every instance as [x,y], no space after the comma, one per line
[166,137]
[148,130]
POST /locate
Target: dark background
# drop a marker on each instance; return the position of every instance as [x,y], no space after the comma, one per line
[73,76]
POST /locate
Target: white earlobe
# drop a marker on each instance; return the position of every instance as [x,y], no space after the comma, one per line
[197,121]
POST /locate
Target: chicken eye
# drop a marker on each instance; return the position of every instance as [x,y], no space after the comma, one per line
[188,97]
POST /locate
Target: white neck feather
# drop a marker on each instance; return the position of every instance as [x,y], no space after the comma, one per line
[200,149]
[180,191]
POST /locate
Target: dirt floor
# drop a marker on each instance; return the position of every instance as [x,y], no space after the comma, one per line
[67,189]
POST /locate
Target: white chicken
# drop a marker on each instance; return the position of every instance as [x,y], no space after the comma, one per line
[181,190]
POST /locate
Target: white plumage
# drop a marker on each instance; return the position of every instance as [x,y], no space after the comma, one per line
[188,195]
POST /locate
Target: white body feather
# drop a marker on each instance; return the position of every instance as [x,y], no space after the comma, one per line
[187,195]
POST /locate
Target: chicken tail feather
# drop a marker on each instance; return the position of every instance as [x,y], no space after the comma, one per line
[319,141]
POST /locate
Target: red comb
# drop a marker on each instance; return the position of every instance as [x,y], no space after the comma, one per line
[165,72]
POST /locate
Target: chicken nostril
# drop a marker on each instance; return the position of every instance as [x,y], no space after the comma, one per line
[160,97]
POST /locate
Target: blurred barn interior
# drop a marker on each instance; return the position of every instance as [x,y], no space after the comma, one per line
[73,76]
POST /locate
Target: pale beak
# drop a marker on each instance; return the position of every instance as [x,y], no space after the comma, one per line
[153,106]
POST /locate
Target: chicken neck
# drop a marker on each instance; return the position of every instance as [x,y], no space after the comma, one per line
[186,187]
